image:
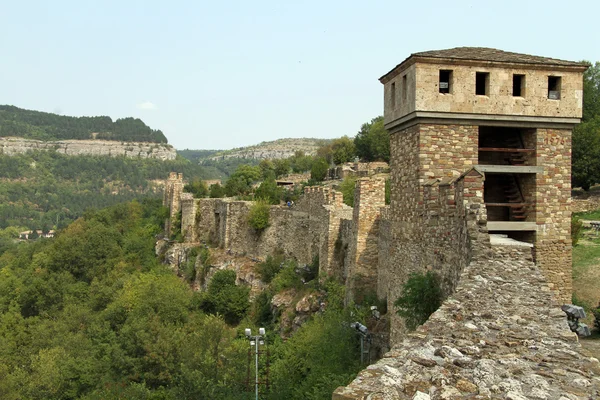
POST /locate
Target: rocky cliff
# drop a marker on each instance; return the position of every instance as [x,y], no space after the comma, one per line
[161,151]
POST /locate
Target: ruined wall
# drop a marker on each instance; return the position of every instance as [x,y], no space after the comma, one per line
[500,336]
[189,206]
[553,210]
[171,198]
[369,198]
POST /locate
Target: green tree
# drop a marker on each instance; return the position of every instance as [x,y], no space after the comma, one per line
[226,298]
[216,191]
[197,187]
[347,188]
[318,171]
[586,136]
[373,141]
[269,191]
[258,216]
[282,167]
[421,296]
[343,149]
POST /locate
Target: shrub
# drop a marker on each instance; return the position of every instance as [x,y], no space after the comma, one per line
[226,298]
[258,217]
[347,188]
[421,296]
[287,278]
[270,267]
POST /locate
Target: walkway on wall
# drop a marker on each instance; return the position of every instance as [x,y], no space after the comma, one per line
[500,336]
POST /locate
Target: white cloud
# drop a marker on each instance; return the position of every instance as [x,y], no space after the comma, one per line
[146,105]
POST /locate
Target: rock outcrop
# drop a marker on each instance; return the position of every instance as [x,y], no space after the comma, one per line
[282,148]
[15,145]
[500,336]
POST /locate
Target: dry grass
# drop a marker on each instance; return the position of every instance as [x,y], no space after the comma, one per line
[586,275]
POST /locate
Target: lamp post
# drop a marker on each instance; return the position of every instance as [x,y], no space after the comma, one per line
[255,341]
[364,334]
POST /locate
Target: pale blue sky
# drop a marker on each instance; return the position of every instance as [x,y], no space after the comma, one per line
[217,75]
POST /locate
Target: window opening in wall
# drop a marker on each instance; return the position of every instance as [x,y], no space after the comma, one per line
[393,94]
[518,85]
[554,87]
[404,89]
[482,83]
[445,80]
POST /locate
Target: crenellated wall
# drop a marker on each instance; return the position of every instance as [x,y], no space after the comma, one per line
[440,234]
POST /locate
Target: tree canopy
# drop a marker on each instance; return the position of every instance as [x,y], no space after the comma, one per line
[373,141]
[39,125]
[586,135]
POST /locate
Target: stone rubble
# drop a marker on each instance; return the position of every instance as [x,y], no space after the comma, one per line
[500,336]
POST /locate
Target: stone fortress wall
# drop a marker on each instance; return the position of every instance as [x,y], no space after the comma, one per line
[161,151]
[366,246]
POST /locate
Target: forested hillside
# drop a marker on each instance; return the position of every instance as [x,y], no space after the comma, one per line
[39,125]
[93,315]
[42,190]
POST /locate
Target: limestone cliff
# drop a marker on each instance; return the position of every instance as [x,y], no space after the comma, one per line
[161,151]
[281,148]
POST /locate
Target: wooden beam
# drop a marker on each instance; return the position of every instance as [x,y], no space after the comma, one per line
[508,204]
[511,226]
[509,169]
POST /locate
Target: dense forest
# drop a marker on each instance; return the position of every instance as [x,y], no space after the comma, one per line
[39,125]
[42,190]
[92,314]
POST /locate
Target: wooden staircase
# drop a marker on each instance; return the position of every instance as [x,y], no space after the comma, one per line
[514,198]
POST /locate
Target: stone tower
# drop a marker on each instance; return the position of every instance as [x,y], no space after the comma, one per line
[508,115]
[172,199]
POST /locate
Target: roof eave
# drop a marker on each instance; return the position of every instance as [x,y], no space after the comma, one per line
[412,59]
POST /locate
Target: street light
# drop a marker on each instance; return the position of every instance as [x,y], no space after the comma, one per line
[256,341]
[364,334]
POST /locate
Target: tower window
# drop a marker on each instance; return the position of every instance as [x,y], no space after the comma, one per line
[482,83]
[404,89]
[393,94]
[518,85]
[554,87]
[445,81]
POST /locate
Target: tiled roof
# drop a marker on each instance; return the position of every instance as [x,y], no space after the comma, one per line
[489,54]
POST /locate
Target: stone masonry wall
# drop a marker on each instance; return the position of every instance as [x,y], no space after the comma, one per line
[500,336]
[436,212]
[462,97]
[171,198]
[188,217]
[369,198]
[553,210]
[161,151]
[449,228]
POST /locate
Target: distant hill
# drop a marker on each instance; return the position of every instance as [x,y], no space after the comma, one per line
[29,124]
[219,164]
[280,148]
